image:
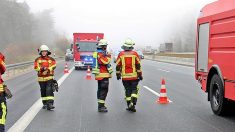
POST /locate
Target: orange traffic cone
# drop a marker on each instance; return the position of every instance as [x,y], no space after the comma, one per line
[163,96]
[88,74]
[66,70]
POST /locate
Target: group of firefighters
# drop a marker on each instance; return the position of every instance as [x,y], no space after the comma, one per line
[128,68]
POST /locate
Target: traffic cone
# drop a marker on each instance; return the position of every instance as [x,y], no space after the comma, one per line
[163,96]
[88,74]
[66,70]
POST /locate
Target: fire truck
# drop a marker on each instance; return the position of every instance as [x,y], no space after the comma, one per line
[215,52]
[84,45]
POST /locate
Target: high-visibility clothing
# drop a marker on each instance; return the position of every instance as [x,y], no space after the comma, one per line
[103,67]
[45,62]
[128,65]
[2,71]
[47,94]
[103,88]
[3,106]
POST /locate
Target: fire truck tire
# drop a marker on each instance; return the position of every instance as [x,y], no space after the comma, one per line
[217,100]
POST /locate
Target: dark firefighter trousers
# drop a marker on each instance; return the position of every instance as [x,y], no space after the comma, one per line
[103,88]
[47,92]
[3,112]
[131,91]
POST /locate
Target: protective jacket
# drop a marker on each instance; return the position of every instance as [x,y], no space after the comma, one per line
[102,67]
[45,67]
[128,65]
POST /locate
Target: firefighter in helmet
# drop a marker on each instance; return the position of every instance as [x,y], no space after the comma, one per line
[4,93]
[128,68]
[102,70]
[45,66]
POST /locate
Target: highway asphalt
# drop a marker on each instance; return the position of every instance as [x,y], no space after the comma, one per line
[76,104]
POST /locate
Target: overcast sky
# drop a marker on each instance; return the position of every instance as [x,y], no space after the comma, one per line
[148,22]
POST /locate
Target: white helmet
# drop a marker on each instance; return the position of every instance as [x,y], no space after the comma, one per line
[129,43]
[44,48]
[103,42]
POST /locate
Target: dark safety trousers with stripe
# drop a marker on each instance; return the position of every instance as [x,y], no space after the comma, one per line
[103,88]
[131,91]
[3,113]
[47,92]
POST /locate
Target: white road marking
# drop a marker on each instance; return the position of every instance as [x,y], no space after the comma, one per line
[152,91]
[163,70]
[29,115]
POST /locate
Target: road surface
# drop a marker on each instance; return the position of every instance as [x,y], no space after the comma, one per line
[76,105]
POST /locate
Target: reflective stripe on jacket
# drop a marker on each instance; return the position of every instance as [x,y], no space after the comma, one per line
[103,61]
[128,65]
[49,63]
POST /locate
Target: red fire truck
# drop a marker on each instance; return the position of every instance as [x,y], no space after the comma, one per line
[215,51]
[84,45]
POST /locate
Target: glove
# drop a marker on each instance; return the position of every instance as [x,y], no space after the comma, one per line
[7,92]
[43,68]
[118,76]
[140,77]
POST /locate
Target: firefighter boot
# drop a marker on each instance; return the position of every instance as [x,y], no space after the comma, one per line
[44,106]
[102,108]
[131,107]
[50,106]
[134,100]
[128,105]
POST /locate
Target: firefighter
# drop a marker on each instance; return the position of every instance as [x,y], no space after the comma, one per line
[45,66]
[102,70]
[4,92]
[128,68]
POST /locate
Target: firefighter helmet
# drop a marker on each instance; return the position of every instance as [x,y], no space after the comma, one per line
[44,48]
[129,43]
[103,42]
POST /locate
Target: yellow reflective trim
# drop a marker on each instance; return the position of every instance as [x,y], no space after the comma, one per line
[4,113]
[1,88]
[134,95]
[128,75]
[105,62]
[38,68]
[101,101]
[48,98]
[52,67]
[118,72]
[138,70]
[102,75]
[128,98]
[43,79]
[95,55]
[117,61]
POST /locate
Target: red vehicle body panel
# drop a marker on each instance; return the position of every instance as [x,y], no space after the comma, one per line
[221,48]
[86,37]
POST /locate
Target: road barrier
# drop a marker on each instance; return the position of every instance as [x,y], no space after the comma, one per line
[174,60]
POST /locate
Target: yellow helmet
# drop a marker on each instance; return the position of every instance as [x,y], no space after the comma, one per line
[103,42]
[129,43]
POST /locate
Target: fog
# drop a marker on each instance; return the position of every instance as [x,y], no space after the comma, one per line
[148,22]
[26,24]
